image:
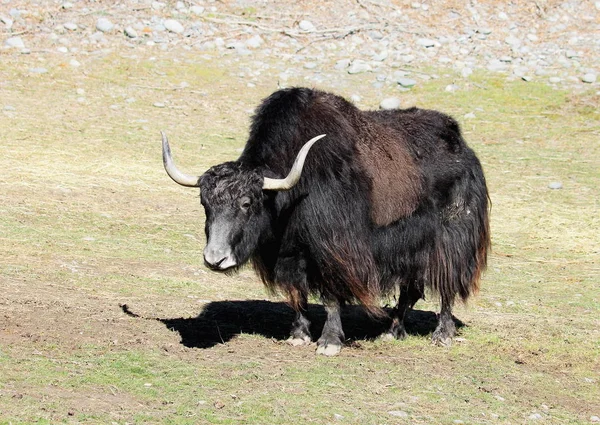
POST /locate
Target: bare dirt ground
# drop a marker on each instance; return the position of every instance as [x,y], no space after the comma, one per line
[106,312]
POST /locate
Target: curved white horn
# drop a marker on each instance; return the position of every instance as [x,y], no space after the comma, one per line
[296,171]
[172,171]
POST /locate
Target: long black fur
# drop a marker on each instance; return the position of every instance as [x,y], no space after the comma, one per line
[322,236]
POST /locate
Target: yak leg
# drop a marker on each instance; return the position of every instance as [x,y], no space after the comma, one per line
[300,334]
[332,337]
[409,295]
[445,329]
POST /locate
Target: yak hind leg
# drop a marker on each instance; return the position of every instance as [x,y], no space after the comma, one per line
[332,337]
[409,295]
[446,329]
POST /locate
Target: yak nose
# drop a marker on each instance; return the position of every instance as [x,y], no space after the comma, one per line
[218,258]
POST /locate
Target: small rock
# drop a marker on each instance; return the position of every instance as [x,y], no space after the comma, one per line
[306,26]
[38,70]
[512,41]
[197,10]
[173,26]
[469,115]
[555,185]
[380,57]
[594,419]
[104,25]
[337,416]
[15,42]
[158,105]
[589,78]
[80,91]
[8,23]
[310,65]
[398,413]
[390,103]
[406,82]
[130,32]
[535,416]
[554,80]
[254,42]
[74,63]
[466,72]
[358,66]
[9,108]
[342,64]
[426,42]
[71,26]
[67,5]
[355,98]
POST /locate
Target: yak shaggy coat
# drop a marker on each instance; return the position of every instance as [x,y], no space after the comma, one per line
[388,202]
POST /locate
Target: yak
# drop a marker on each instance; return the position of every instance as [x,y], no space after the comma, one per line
[389,203]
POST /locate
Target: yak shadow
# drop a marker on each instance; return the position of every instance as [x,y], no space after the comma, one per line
[220,321]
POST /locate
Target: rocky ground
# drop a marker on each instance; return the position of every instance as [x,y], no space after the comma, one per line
[392,42]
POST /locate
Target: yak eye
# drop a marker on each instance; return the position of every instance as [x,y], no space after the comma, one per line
[245,203]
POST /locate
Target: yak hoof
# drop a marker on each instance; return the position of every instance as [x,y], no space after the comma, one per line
[297,342]
[441,340]
[329,349]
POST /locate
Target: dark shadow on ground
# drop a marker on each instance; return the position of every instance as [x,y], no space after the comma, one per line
[221,321]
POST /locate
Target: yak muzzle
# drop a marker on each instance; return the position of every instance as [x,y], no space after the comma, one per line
[219,259]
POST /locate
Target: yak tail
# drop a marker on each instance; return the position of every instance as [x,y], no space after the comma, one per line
[459,255]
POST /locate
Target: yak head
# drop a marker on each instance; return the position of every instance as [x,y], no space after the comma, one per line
[233,196]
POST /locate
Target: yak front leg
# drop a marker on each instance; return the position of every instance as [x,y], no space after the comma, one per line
[332,337]
[300,333]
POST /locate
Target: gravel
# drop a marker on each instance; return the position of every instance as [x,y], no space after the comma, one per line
[556,45]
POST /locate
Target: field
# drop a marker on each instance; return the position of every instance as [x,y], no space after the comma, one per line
[107,314]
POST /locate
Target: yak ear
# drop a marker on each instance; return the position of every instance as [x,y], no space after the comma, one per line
[172,170]
[296,171]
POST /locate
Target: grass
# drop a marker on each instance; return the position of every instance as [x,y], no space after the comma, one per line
[90,222]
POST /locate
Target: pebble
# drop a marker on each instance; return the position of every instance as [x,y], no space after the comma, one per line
[158,105]
[71,26]
[589,78]
[555,185]
[358,67]
[38,70]
[594,419]
[535,416]
[390,103]
[398,413]
[74,63]
[104,25]
[254,42]
[173,26]
[130,32]
[197,10]
[426,42]
[15,42]
[406,82]
[306,26]
[554,80]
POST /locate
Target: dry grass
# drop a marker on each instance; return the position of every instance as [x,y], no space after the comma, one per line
[89,222]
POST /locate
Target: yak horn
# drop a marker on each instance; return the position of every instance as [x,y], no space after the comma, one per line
[172,171]
[296,171]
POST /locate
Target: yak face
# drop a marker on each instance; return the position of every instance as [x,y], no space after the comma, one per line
[233,201]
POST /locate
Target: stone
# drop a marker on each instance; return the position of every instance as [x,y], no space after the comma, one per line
[254,42]
[197,10]
[555,185]
[589,78]
[104,25]
[306,26]
[15,42]
[174,26]
[358,66]
[398,413]
[406,82]
[130,32]
[71,26]
[390,103]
